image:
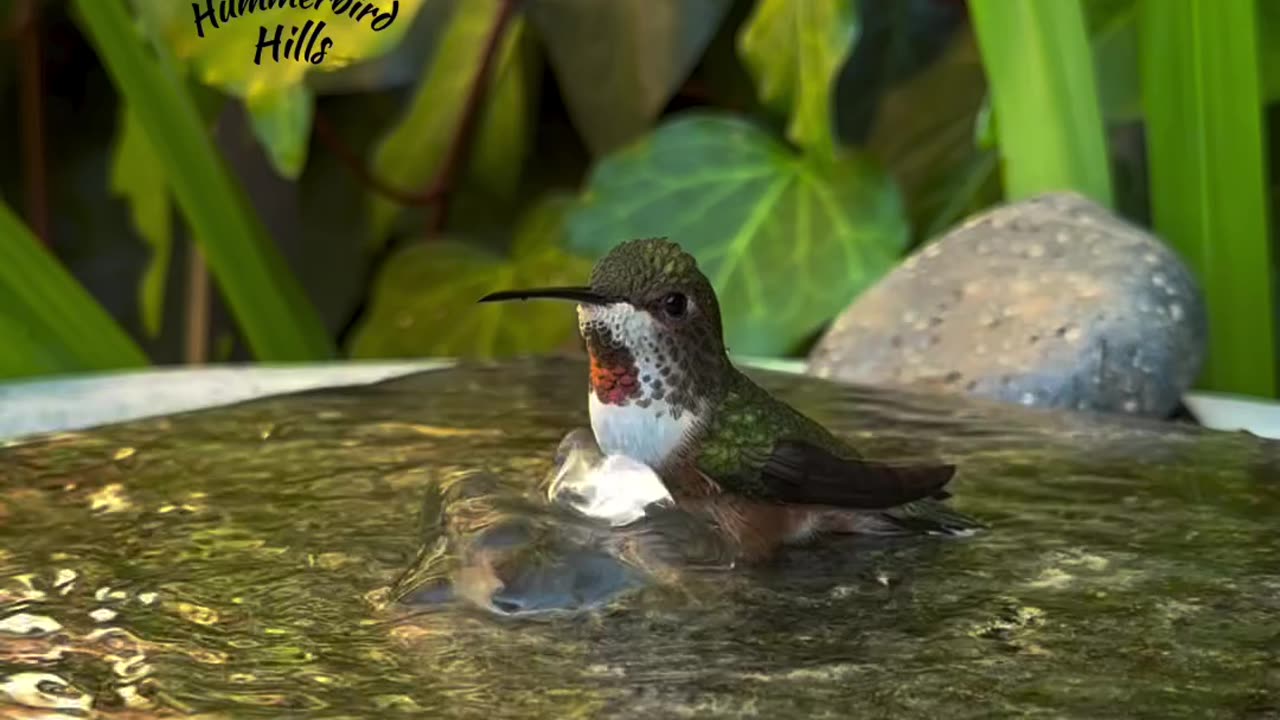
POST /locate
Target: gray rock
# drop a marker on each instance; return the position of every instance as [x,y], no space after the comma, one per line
[1053,301]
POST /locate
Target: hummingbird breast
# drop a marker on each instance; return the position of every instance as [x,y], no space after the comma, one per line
[633,412]
[650,434]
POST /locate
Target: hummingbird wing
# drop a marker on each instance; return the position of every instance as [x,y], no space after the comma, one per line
[797,472]
[759,447]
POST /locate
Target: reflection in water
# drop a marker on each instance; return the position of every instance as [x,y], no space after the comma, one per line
[596,527]
[251,561]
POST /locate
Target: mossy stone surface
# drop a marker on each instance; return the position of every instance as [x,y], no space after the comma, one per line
[235,562]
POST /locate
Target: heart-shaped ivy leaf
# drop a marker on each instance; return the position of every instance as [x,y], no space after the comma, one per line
[787,241]
[424,304]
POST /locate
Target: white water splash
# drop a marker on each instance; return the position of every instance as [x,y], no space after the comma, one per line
[615,488]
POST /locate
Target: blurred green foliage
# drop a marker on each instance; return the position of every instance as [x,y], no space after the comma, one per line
[277,320]
[50,324]
[413,151]
[793,49]
[1202,96]
[136,174]
[1040,68]
[798,148]
[619,63]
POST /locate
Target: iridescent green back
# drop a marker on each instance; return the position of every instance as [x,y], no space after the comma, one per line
[746,424]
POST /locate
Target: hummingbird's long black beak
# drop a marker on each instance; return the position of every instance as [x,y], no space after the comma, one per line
[579,294]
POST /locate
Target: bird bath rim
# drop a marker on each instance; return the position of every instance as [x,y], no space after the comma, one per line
[31,406]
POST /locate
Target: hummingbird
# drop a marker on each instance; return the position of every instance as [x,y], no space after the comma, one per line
[663,391]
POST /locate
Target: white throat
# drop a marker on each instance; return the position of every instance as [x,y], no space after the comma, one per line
[638,420]
[648,434]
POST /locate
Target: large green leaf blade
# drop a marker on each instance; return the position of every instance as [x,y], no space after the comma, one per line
[1269,34]
[1113,28]
[794,49]
[1040,69]
[48,322]
[269,305]
[424,303]
[619,62]
[786,242]
[1208,175]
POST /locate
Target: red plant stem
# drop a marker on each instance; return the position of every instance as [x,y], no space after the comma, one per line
[32,113]
[329,137]
[437,194]
[460,149]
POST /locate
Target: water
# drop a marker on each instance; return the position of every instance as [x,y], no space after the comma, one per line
[237,562]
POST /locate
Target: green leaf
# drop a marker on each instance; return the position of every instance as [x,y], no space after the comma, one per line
[48,322]
[273,91]
[1269,44]
[619,62]
[960,192]
[26,355]
[1040,70]
[502,135]
[1113,35]
[424,303]
[411,153]
[1113,30]
[136,175]
[984,127]
[794,48]
[786,241]
[1208,175]
[282,123]
[934,157]
[269,305]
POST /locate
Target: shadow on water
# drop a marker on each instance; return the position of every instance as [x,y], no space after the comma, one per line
[383,550]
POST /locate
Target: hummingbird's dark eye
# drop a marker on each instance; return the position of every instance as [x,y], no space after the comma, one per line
[675,304]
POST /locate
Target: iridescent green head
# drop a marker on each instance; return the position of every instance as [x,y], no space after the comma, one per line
[649,312]
[657,275]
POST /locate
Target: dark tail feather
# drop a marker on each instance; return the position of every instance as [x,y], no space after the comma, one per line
[801,473]
[931,517]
